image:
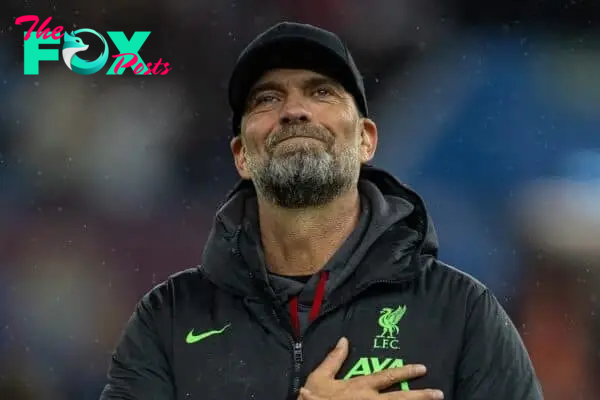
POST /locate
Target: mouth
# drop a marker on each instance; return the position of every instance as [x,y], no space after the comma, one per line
[299,137]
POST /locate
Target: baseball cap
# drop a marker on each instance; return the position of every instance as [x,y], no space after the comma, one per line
[295,46]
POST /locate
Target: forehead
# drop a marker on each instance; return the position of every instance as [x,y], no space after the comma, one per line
[292,78]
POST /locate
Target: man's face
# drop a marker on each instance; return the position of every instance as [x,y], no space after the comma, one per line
[302,140]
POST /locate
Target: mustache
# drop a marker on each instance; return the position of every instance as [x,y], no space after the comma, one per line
[304,130]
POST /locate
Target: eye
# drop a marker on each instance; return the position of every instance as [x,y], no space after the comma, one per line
[264,98]
[322,92]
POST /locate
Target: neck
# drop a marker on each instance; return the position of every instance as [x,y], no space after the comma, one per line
[300,242]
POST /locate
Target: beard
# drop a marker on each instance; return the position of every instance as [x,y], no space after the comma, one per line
[307,174]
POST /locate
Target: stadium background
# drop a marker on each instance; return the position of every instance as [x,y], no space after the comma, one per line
[490,109]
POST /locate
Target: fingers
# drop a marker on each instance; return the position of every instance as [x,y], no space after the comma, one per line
[334,360]
[386,378]
[305,394]
[427,394]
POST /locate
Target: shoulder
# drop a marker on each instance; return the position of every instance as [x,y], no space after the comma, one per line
[463,295]
[183,284]
[475,301]
[453,282]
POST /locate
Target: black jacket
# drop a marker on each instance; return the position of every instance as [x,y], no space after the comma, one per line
[392,299]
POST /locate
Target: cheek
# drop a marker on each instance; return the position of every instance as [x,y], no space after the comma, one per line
[342,121]
[261,121]
[347,130]
[256,130]
[250,147]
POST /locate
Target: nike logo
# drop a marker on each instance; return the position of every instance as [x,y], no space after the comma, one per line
[191,338]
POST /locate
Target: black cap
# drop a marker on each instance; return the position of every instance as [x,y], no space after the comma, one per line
[296,46]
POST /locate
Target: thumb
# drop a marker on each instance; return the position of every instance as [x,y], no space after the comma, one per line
[305,394]
[334,360]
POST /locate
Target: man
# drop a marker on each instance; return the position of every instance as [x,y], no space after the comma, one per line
[312,248]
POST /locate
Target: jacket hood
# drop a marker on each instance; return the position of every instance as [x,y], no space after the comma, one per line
[419,219]
[404,231]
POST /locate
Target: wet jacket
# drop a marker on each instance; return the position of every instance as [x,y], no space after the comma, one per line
[230,330]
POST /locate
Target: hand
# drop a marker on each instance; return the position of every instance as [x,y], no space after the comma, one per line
[322,385]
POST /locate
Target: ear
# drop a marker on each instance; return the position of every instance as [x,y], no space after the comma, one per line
[368,143]
[238,149]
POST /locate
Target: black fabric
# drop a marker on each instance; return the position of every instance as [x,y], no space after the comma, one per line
[451,322]
[298,46]
[303,279]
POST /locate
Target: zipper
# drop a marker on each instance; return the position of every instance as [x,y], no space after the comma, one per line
[298,360]
[297,357]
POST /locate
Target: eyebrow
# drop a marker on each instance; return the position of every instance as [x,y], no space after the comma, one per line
[265,86]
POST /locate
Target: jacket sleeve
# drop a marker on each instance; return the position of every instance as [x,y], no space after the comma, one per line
[494,364]
[139,368]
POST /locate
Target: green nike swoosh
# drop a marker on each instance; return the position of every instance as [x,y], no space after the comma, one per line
[191,338]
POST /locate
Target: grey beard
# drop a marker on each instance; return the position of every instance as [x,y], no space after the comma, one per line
[306,178]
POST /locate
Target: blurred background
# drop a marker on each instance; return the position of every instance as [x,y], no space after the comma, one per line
[108,184]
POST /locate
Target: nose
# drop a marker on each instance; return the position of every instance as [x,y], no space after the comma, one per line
[294,111]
